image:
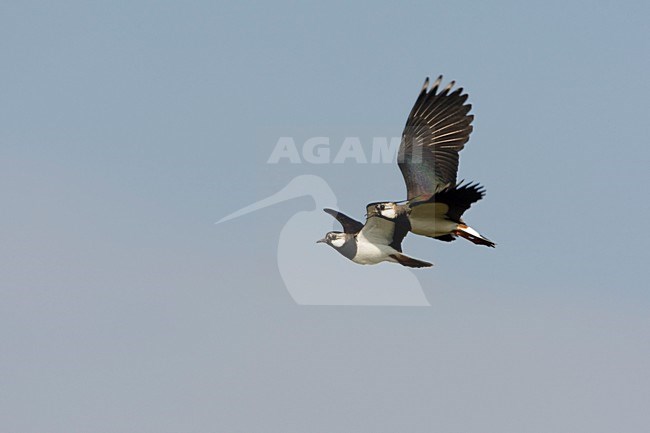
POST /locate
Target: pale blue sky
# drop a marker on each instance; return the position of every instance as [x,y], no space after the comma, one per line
[129,128]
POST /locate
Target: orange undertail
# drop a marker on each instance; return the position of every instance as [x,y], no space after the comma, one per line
[473,236]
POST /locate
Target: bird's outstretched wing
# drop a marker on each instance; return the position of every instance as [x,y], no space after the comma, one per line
[436,130]
[349,225]
[453,201]
[381,230]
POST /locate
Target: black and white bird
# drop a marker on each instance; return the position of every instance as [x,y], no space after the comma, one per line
[378,240]
[436,131]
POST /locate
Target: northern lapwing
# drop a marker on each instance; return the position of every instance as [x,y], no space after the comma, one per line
[378,240]
[436,130]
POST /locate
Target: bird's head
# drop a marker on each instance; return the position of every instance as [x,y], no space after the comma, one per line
[387,209]
[334,239]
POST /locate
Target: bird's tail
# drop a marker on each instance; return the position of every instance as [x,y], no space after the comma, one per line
[472,235]
[410,262]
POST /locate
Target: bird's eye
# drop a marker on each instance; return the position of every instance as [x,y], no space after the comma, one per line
[381,207]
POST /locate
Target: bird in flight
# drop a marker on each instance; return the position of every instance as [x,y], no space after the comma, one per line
[436,130]
[376,241]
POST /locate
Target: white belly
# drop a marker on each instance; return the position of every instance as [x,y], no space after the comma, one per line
[430,220]
[433,227]
[371,254]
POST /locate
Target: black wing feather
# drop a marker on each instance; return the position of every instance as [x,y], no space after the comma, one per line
[458,198]
[436,130]
[349,225]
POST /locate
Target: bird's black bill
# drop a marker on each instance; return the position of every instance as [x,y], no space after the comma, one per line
[321,241]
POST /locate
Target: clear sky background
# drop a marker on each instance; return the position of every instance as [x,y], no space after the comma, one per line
[128,128]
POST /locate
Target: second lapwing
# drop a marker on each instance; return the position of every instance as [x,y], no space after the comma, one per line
[436,131]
